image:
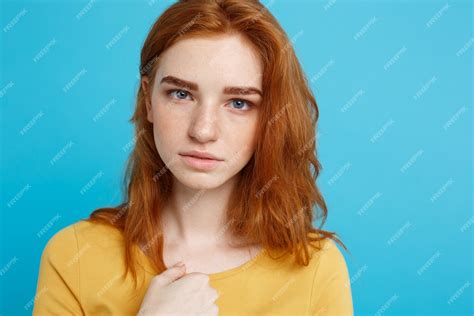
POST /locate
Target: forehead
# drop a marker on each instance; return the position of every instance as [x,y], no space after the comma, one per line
[218,61]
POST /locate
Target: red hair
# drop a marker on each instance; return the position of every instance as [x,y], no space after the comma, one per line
[276,199]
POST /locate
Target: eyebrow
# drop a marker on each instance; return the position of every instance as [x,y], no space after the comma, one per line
[193,86]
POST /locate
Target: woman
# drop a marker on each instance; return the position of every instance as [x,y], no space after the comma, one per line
[220,179]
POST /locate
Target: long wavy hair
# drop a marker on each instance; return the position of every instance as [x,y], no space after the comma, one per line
[276,199]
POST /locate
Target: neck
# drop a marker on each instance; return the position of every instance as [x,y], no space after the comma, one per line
[197,217]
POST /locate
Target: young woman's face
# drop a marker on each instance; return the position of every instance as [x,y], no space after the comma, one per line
[205,98]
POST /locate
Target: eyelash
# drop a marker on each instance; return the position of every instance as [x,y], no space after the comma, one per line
[250,104]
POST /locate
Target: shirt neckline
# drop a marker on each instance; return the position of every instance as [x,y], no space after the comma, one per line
[240,268]
[212,276]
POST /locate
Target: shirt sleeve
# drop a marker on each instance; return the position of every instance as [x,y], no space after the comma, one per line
[331,294]
[58,291]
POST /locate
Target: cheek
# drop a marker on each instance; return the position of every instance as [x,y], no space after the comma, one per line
[167,129]
[248,130]
[245,140]
[241,142]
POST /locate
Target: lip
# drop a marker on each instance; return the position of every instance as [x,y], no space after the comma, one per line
[201,155]
[200,163]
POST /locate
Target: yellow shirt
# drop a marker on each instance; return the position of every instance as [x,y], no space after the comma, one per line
[82,265]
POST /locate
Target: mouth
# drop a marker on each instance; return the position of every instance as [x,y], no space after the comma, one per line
[200,163]
[200,155]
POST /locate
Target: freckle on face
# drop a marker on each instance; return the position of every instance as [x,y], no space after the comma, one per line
[208,120]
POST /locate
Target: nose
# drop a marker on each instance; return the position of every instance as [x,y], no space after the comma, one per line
[204,123]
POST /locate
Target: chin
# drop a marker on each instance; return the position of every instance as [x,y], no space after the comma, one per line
[200,181]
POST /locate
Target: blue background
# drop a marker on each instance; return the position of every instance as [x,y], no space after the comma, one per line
[393,81]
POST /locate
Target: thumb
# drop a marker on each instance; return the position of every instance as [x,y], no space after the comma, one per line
[173,273]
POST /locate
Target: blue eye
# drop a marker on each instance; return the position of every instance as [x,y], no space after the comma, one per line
[240,103]
[180,94]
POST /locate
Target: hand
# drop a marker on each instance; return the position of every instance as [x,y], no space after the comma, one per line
[173,292]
